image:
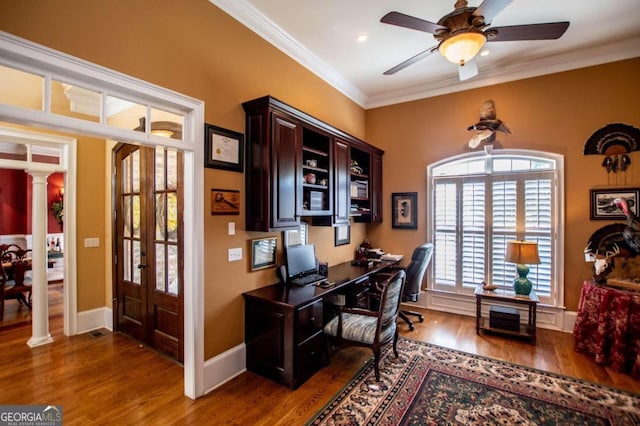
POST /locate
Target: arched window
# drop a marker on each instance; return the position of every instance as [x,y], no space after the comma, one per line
[478,202]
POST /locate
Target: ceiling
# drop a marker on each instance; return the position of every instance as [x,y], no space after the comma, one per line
[321,35]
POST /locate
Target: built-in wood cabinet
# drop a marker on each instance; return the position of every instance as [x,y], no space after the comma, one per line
[297,165]
[365,184]
[341,182]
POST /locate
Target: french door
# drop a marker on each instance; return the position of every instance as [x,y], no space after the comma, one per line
[148,247]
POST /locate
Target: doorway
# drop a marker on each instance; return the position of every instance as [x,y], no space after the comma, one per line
[148,285]
[47,67]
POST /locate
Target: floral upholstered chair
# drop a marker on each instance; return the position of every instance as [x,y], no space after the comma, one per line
[373,329]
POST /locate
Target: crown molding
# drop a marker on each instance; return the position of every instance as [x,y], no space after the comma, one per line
[247,15]
[251,18]
[550,65]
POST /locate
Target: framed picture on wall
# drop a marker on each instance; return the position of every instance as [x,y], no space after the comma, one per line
[404,210]
[225,201]
[263,253]
[343,235]
[293,237]
[602,207]
[223,148]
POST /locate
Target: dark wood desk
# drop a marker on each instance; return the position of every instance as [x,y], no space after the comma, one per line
[283,324]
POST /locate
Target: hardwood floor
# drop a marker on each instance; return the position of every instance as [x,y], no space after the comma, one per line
[17,314]
[112,379]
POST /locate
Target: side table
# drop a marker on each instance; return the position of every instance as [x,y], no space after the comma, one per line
[501,297]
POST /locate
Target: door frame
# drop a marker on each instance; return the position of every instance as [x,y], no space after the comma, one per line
[22,54]
[67,165]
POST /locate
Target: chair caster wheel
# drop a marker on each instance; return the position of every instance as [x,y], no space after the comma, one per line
[410,327]
[420,318]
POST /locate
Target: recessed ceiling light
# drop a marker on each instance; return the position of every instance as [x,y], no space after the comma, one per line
[485,53]
[361,38]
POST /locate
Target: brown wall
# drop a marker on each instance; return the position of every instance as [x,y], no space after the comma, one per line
[193,48]
[555,113]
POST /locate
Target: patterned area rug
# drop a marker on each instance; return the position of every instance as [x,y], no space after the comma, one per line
[430,385]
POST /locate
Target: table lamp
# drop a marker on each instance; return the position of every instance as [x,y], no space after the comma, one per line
[522,253]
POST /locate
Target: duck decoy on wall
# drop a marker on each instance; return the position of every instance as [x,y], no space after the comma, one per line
[486,128]
[615,141]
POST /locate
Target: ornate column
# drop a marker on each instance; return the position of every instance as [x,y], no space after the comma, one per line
[40,300]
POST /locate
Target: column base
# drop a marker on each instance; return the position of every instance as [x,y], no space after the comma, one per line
[39,341]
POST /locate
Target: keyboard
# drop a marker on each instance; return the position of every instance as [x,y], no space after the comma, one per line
[307,279]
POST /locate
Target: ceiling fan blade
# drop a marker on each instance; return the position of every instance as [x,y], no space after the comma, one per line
[490,8]
[468,70]
[412,60]
[548,31]
[411,22]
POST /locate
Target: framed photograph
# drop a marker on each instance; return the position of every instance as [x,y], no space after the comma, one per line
[263,253]
[225,201]
[343,235]
[404,209]
[294,237]
[602,207]
[223,148]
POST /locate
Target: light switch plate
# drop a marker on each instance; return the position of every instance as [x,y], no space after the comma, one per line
[92,242]
[235,254]
[232,228]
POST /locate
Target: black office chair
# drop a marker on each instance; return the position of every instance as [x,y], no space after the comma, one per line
[413,283]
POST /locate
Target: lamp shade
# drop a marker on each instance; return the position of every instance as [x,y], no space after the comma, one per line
[461,48]
[522,252]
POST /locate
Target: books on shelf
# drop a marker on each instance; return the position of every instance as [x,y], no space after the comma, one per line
[359,189]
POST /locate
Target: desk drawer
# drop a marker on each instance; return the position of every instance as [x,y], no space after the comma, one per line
[309,358]
[309,320]
[357,294]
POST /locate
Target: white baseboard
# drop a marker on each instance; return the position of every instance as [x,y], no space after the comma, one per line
[224,367]
[94,319]
[547,317]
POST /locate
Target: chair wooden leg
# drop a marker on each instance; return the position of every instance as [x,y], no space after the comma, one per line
[395,344]
[376,360]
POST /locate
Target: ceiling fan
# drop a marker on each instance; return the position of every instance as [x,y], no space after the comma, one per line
[462,33]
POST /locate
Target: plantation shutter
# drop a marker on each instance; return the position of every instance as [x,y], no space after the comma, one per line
[445,242]
[473,233]
[474,216]
[539,227]
[504,204]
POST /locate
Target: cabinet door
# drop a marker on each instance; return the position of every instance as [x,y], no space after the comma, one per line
[285,179]
[375,190]
[341,183]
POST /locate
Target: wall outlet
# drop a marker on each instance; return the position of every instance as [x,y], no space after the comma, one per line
[235,254]
[92,242]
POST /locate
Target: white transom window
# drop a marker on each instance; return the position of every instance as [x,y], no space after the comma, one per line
[478,202]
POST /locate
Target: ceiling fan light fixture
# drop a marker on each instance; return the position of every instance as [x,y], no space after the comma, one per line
[462,47]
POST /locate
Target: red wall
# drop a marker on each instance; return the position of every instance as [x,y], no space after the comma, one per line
[15,201]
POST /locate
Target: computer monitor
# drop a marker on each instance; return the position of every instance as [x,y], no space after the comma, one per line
[301,259]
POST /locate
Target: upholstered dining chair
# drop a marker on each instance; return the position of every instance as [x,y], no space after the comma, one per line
[373,329]
[15,286]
